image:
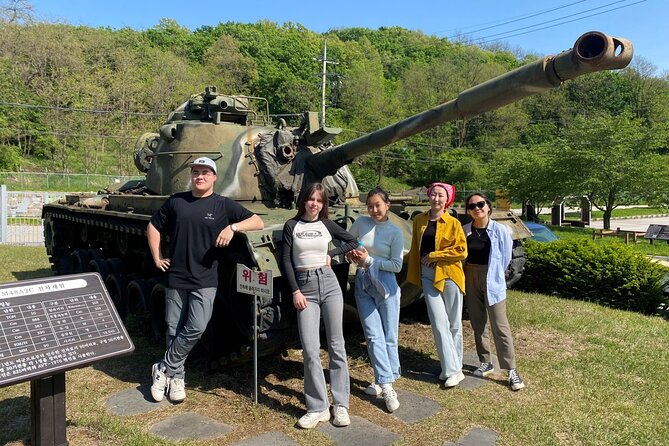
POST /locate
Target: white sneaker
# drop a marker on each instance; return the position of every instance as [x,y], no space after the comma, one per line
[390,397]
[515,381]
[159,384]
[310,419]
[373,389]
[454,380]
[177,391]
[341,417]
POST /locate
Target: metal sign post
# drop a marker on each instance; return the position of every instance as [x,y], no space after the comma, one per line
[259,284]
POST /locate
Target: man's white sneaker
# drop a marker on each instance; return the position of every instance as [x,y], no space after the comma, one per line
[177,391]
[390,398]
[373,389]
[310,419]
[454,380]
[341,417]
[159,383]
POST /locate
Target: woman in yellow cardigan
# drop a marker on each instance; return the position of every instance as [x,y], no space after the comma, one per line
[438,247]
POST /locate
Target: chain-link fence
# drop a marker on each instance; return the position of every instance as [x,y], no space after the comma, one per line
[75,182]
[21,215]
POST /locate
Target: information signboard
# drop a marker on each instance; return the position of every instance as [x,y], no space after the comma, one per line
[657,232]
[250,281]
[56,324]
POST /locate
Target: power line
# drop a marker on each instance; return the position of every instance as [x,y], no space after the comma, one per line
[497,24]
[27,132]
[81,110]
[506,35]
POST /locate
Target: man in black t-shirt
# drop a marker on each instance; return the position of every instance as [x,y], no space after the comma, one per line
[198,222]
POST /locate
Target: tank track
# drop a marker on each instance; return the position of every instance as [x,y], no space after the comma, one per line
[114,245]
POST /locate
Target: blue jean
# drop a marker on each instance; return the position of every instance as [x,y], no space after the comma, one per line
[324,298]
[187,313]
[380,320]
[445,312]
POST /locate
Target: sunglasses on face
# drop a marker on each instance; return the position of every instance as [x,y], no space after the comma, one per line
[478,204]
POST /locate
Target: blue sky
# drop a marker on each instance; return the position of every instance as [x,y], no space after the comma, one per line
[554,25]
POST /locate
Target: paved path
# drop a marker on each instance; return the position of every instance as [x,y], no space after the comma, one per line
[632,224]
[413,409]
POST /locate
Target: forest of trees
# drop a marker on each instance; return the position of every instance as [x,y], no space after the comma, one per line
[75,99]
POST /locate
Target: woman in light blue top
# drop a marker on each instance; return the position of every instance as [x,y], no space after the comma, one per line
[489,247]
[377,295]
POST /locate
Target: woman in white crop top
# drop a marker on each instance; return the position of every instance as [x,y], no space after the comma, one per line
[305,261]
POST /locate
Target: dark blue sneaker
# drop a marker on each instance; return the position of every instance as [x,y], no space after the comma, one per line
[485,369]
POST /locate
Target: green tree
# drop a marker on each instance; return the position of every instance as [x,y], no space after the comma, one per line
[529,173]
[612,160]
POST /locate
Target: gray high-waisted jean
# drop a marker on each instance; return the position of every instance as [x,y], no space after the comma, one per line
[324,299]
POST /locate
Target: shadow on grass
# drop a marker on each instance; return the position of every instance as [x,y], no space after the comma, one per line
[35,274]
[15,424]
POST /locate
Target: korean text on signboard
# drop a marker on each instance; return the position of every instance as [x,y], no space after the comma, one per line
[56,324]
[258,283]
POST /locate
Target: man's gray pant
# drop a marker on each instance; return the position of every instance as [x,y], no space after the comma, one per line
[187,313]
[324,298]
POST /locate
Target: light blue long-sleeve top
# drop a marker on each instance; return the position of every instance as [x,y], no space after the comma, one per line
[383,240]
[501,245]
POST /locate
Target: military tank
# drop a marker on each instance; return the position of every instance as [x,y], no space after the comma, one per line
[265,166]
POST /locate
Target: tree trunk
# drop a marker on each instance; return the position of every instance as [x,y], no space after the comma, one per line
[607,218]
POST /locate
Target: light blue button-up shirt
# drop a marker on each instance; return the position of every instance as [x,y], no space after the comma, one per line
[501,246]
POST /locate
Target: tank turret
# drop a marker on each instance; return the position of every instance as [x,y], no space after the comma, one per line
[265,166]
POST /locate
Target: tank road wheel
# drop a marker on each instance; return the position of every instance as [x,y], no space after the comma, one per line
[116,285]
[115,265]
[157,308]
[61,261]
[49,236]
[79,260]
[138,295]
[99,266]
[123,243]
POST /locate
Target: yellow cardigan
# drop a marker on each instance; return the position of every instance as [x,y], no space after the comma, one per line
[451,250]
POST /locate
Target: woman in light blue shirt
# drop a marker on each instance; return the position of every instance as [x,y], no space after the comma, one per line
[489,247]
[377,294]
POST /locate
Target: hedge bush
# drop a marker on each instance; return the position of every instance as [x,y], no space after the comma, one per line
[611,274]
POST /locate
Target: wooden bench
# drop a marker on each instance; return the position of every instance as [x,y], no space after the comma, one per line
[627,235]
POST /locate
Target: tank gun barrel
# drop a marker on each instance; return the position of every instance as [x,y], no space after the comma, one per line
[593,51]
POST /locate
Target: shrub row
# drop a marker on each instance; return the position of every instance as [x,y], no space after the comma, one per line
[610,274]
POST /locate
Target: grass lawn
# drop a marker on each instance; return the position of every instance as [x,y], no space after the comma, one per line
[659,248]
[594,376]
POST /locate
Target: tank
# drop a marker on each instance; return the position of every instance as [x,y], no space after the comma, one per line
[265,166]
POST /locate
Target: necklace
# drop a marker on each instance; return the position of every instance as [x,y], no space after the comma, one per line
[432,217]
[479,233]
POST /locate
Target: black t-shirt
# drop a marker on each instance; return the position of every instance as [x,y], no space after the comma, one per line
[478,247]
[193,224]
[427,243]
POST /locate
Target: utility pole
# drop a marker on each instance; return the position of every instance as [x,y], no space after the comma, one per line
[324,77]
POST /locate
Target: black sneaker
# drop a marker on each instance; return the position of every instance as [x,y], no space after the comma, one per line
[485,369]
[515,381]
